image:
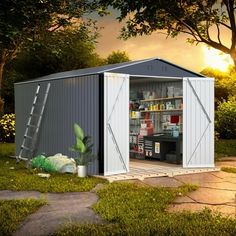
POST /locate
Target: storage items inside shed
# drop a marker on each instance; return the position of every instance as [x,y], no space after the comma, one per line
[156,120]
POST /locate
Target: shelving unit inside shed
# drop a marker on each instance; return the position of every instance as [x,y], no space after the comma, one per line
[156,109]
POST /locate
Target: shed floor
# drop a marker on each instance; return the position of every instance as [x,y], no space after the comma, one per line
[142,169]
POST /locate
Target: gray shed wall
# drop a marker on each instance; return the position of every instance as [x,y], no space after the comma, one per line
[70,100]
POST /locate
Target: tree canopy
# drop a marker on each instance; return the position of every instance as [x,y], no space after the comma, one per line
[202,20]
[224,83]
[58,51]
[23,20]
[69,49]
[117,57]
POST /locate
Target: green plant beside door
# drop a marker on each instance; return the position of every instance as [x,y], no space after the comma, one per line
[83,147]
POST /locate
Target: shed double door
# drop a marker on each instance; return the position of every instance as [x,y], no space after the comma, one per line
[116,123]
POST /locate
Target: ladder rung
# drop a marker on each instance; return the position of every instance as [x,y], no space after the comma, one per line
[37,115]
[33,126]
[22,158]
[23,147]
[38,104]
[27,136]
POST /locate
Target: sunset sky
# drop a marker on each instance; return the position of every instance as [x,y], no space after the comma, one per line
[175,50]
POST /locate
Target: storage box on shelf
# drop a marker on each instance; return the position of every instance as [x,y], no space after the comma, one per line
[156,112]
[163,104]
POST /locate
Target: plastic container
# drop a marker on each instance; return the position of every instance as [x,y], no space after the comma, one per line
[175,132]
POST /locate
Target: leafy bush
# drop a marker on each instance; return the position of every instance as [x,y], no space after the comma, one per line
[7,128]
[40,162]
[226,119]
[224,83]
[225,147]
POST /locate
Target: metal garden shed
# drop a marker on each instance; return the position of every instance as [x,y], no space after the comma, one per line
[99,100]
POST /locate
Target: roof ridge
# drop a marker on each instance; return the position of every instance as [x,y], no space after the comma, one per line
[101,69]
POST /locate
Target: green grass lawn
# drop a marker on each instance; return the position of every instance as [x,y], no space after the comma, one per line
[130,209]
[16,177]
[7,149]
[12,212]
[229,169]
[225,147]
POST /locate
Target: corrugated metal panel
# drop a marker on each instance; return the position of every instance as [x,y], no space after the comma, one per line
[156,67]
[88,71]
[198,122]
[23,102]
[69,101]
[116,123]
[151,66]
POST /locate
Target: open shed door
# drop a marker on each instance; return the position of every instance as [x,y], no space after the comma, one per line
[198,122]
[116,123]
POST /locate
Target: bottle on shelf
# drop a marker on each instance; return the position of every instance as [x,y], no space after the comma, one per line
[162,106]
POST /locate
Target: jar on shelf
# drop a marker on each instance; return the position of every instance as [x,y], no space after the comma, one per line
[151,107]
[162,106]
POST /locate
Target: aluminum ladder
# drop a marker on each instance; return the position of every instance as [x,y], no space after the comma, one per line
[29,141]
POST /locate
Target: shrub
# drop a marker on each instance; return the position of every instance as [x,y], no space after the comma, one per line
[225,147]
[7,128]
[225,118]
[224,83]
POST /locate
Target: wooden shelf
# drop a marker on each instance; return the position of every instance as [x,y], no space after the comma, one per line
[133,151]
[161,99]
[141,118]
[171,110]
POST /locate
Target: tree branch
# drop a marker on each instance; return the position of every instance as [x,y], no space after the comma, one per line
[195,33]
[227,26]
[230,10]
[56,26]
[212,43]
[207,30]
[218,33]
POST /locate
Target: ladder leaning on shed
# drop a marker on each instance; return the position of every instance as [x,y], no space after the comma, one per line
[32,127]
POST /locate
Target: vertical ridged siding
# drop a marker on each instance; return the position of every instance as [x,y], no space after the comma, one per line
[198,126]
[70,100]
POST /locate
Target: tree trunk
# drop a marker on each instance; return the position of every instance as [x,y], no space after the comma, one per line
[2,64]
[233,56]
[3,55]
